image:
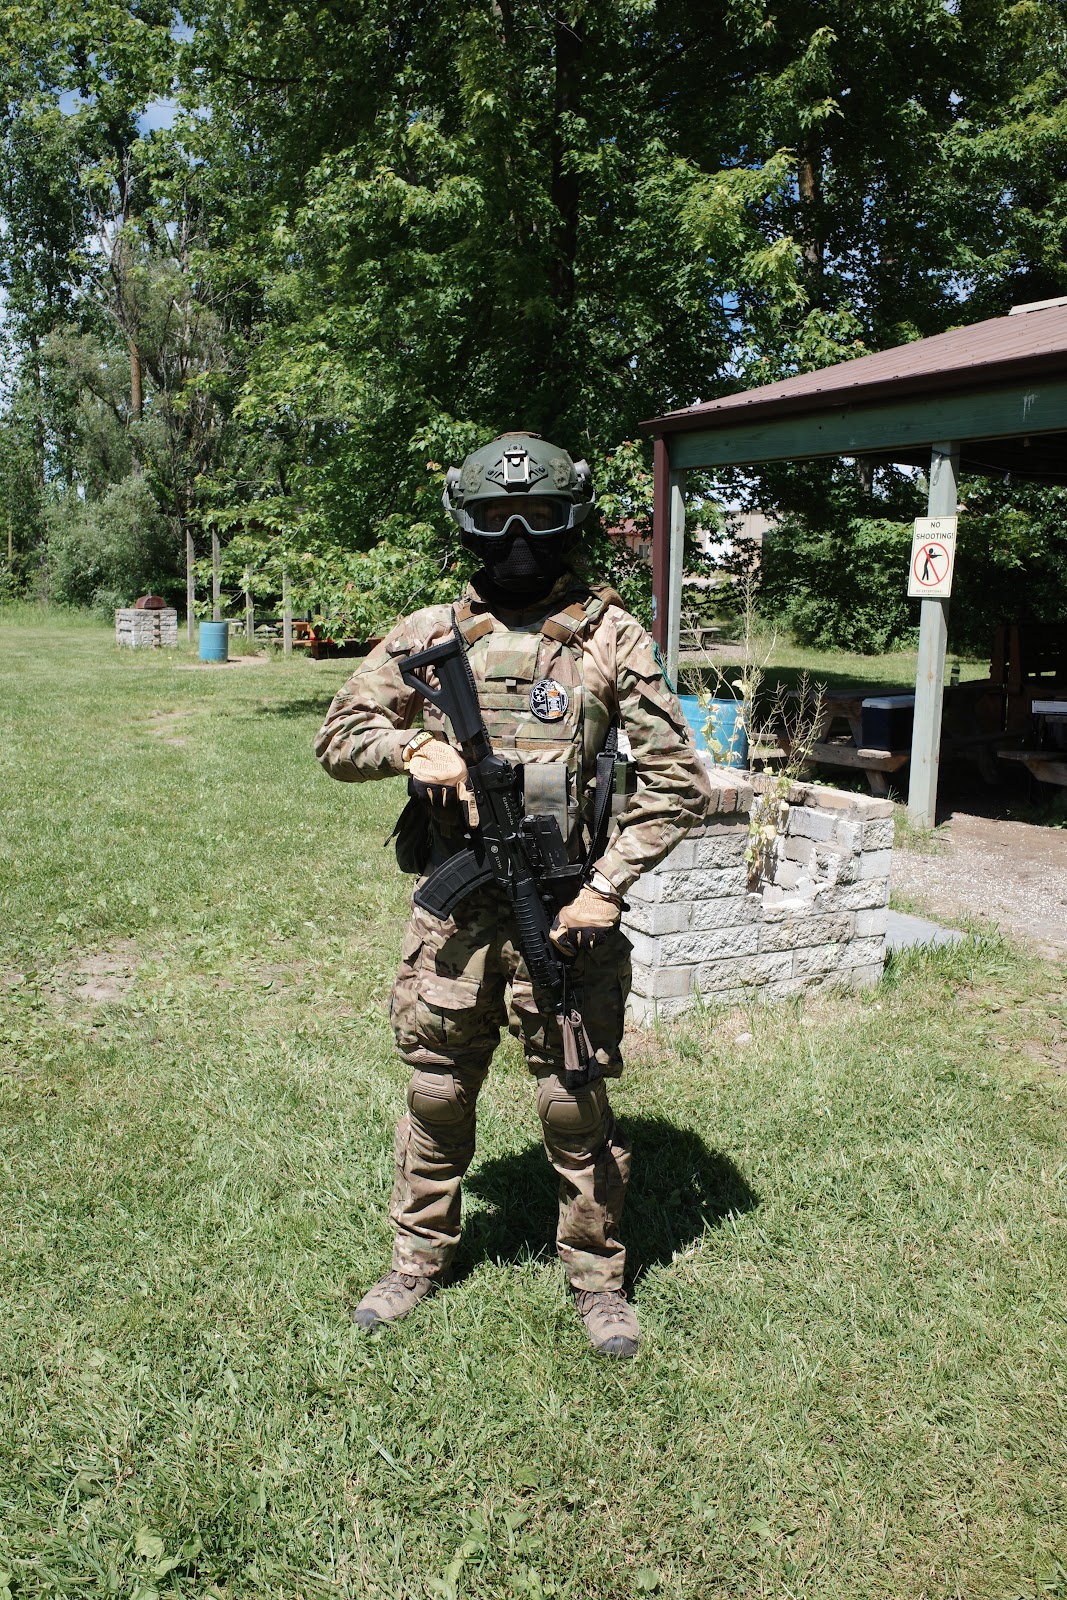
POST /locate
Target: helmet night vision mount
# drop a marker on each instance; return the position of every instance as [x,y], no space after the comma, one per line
[518,479]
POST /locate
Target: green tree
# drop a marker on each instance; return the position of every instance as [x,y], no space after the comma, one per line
[21,532]
[123,346]
[473,216]
[378,233]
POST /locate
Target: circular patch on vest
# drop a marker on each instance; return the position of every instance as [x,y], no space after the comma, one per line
[549,700]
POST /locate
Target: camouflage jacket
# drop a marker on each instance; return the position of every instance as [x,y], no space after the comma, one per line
[551,681]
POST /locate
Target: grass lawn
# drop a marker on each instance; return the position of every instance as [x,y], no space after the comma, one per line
[836,669]
[849,1233]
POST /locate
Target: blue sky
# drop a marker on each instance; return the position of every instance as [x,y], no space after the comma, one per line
[157,114]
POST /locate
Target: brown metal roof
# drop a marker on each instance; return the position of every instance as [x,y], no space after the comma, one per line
[1030,343]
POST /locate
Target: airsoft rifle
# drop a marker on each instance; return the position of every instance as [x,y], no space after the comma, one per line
[525,855]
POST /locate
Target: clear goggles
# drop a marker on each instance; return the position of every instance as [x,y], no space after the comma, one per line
[540,514]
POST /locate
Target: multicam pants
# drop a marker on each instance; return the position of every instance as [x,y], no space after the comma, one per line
[450,1000]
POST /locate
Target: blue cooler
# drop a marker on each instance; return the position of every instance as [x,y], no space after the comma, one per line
[886,722]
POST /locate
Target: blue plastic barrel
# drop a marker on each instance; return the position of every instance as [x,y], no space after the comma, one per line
[214,641]
[727,728]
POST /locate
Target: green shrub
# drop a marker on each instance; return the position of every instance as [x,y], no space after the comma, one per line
[843,585]
[843,588]
[104,553]
[1011,560]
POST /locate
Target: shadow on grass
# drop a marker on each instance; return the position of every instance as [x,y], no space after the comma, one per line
[678,1190]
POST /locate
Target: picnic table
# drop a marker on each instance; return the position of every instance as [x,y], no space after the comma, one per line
[971,729]
[982,719]
[1046,762]
[699,636]
[839,738]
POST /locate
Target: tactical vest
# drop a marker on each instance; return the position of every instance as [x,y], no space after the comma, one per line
[538,710]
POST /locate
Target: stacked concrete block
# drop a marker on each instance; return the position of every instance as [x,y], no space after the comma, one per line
[702,932]
[146,630]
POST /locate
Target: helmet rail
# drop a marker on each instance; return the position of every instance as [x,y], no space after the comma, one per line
[553,494]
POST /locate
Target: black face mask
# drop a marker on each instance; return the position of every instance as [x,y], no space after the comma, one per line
[521,569]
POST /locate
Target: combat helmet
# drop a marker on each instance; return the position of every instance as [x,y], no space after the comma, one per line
[518,480]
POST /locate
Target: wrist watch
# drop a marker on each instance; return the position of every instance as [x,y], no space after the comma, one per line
[416,742]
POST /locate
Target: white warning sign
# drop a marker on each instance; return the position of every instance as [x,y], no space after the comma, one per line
[933,555]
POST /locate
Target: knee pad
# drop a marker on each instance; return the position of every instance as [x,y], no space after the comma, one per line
[571,1112]
[440,1099]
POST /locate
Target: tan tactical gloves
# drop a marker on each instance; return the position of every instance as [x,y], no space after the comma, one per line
[438,773]
[435,769]
[588,917]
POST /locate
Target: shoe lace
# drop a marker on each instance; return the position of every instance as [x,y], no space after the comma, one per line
[611,1304]
[396,1283]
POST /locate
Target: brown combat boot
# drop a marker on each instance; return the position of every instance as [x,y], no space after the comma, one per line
[610,1321]
[391,1298]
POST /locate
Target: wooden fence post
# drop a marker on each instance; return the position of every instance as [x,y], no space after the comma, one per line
[287,616]
[250,617]
[190,587]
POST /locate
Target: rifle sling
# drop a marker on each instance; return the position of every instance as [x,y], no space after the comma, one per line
[605,788]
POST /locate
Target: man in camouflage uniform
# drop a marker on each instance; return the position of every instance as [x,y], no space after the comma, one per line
[557,662]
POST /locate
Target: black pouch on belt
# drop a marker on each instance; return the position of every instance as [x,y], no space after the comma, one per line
[413,837]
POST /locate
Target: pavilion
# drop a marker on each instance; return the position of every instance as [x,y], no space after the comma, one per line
[990,398]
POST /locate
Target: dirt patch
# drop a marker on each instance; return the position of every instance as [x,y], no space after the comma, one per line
[216,666]
[1011,875]
[282,972]
[163,723]
[98,978]
[103,977]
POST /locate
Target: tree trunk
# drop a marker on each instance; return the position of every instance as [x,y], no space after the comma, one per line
[503,13]
[38,411]
[569,45]
[809,188]
[558,385]
[216,577]
[136,396]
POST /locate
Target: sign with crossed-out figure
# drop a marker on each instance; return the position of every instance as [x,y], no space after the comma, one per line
[933,555]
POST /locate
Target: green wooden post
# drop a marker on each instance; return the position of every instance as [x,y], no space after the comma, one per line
[933,642]
[676,536]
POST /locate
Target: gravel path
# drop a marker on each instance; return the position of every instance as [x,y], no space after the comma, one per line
[1011,875]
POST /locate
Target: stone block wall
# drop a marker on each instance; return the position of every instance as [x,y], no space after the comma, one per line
[819,918]
[146,630]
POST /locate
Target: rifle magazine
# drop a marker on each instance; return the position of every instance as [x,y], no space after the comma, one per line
[452,882]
